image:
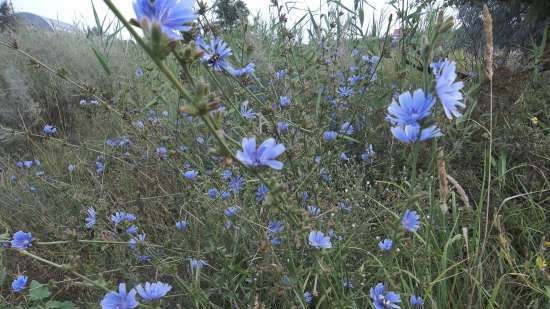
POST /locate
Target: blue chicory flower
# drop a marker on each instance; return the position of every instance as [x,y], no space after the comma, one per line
[197,264]
[153,291]
[313,210]
[91,218]
[19,284]
[161,152]
[247,113]
[261,192]
[263,156]
[318,240]
[382,299]
[385,245]
[181,225]
[416,301]
[308,297]
[21,240]
[172,16]
[213,193]
[231,211]
[215,54]
[136,240]
[191,174]
[138,72]
[284,101]
[330,135]
[225,195]
[49,129]
[120,300]
[411,109]
[280,74]
[132,230]
[236,184]
[120,216]
[448,90]
[345,92]
[411,220]
[71,168]
[413,133]
[346,128]
[282,127]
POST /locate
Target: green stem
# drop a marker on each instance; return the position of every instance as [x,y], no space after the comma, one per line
[64,267]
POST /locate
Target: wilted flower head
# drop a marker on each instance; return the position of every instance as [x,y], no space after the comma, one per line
[265,155]
[120,300]
[447,89]
[21,240]
[153,291]
[19,283]
[382,299]
[318,240]
[411,221]
[172,16]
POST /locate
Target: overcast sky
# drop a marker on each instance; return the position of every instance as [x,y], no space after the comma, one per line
[81,10]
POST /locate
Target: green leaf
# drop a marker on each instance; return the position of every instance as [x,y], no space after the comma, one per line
[38,291]
[102,60]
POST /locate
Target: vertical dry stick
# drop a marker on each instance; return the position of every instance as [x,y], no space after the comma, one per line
[443,183]
[488,29]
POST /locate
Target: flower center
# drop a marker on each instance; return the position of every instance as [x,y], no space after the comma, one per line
[214,59]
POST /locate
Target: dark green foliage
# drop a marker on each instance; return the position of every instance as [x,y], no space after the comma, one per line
[518,23]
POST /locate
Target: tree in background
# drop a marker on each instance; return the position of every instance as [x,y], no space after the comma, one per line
[6,14]
[229,12]
[520,23]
